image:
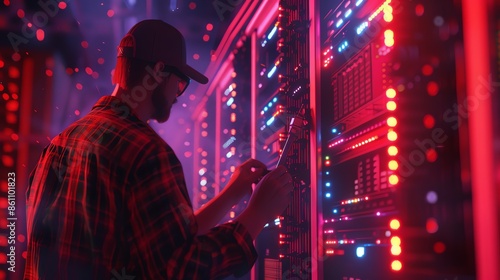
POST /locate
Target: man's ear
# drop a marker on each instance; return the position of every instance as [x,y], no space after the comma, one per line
[158,68]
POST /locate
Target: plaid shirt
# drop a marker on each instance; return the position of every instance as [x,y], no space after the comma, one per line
[108,200]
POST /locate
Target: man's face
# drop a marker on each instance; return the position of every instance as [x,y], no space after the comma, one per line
[165,95]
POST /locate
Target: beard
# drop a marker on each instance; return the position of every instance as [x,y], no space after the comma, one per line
[161,110]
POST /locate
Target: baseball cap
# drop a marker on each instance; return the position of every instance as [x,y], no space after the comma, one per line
[155,40]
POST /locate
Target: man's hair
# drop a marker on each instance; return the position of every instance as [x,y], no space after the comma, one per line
[129,71]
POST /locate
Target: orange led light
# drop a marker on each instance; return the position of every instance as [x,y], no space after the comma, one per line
[394,224]
[396,265]
[395,241]
[393,179]
[396,250]
[392,136]
[392,121]
[391,105]
[393,165]
[392,150]
[390,93]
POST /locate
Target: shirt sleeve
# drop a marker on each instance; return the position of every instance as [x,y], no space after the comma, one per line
[164,231]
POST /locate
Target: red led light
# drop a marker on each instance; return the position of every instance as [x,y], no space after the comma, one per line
[419,10]
[12,105]
[210,27]
[20,13]
[62,5]
[110,13]
[206,37]
[84,44]
[429,121]
[427,70]
[14,72]
[192,5]
[439,247]
[392,150]
[431,155]
[431,225]
[49,73]
[432,88]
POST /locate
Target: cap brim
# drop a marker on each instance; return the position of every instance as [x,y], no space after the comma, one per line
[194,74]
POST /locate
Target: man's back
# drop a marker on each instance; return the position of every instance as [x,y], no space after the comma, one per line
[75,205]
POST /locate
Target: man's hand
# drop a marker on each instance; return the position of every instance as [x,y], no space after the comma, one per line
[243,177]
[270,198]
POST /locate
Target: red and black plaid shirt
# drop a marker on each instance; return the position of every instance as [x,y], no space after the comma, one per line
[108,200]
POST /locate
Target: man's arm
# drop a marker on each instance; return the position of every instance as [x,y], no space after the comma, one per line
[164,235]
[239,185]
[211,213]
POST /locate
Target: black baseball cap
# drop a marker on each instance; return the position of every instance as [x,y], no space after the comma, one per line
[155,40]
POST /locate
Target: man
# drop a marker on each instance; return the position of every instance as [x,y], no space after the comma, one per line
[108,200]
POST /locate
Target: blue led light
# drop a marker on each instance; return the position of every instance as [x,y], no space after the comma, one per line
[230,101]
[275,99]
[265,109]
[327,172]
[273,31]
[270,121]
[359,2]
[271,73]
[362,27]
[335,211]
[328,195]
[328,184]
[270,104]
[334,130]
[339,23]
[343,46]
[348,13]
[360,251]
